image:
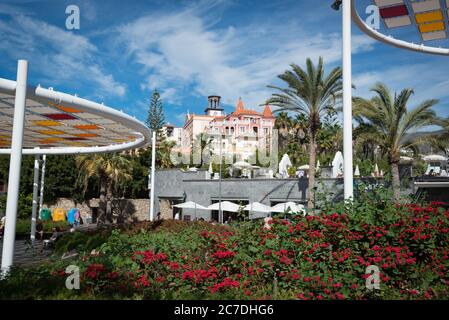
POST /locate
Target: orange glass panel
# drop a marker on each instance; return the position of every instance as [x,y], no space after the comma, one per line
[431,27]
[119,140]
[52,139]
[429,16]
[66,109]
[48,123]
[86,135]
[88,127]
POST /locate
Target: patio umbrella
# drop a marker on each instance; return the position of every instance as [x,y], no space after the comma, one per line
[210,168]
[241,165]
[318,165]
[304,167]
[284,164]
[257,207]
[225,206]
[190,205]
[434,157]
[282,207]
[376,170]
[357,171]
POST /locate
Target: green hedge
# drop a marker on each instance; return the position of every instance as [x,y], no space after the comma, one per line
[23,227]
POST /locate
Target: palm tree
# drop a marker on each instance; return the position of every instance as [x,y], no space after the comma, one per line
[111,170]
[388,121]
[284,125]
[310,93]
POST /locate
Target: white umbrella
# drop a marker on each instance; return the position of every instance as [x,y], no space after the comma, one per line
[337,165]
[282,207]
[434,157]
[284,164]
[225,206]
[318,165]
[241,164]
[376,170]
[211,171]
[190,205]
[357,171]
[405,159]
[304,167]
[257,207]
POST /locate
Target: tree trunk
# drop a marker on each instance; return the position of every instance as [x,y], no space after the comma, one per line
[102,204]
[109,196]
[396,181]
[312,162]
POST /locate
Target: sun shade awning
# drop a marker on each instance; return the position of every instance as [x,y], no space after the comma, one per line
[59,123]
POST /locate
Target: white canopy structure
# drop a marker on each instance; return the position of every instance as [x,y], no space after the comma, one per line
[38,121]
[225,206]
[288,206]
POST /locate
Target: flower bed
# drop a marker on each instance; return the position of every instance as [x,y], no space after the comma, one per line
[316,257]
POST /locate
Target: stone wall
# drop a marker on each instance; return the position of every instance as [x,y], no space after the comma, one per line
[122,209]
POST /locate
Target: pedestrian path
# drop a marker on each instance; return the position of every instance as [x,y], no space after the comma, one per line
[25,255]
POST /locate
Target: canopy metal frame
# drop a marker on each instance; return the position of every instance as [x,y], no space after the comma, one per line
[22,93]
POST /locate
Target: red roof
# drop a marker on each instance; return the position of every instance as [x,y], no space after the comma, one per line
[240,109]
[267,112]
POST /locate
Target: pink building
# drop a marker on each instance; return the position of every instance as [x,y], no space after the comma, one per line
[242,131]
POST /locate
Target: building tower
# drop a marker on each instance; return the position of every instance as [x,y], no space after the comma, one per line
[214,106]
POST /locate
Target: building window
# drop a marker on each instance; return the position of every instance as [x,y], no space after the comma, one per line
[242,129]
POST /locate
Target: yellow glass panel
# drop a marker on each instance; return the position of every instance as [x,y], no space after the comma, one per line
[431,27]
[429,16]
[75,144]
[119,140]
[51,132]
[47,123]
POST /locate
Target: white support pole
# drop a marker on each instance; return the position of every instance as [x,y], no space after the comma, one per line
[347,102]
[153,165]
[15,164]
[41,196]
[35,194]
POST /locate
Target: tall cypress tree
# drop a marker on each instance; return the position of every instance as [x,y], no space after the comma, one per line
[156,118]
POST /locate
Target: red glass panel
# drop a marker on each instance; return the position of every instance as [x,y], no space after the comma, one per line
[60,116]
[396,11]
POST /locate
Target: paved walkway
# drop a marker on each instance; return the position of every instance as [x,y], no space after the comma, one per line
[25,255]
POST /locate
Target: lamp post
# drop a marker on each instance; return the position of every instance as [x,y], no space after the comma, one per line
[152,175]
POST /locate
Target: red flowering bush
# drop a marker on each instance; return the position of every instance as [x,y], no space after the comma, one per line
[315,257]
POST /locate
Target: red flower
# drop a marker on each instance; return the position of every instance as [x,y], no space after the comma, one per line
[143,281]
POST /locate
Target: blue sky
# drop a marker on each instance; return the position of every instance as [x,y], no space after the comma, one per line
[191,49]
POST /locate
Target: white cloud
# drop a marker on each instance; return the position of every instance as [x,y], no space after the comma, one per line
[61,57]
[186,48]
